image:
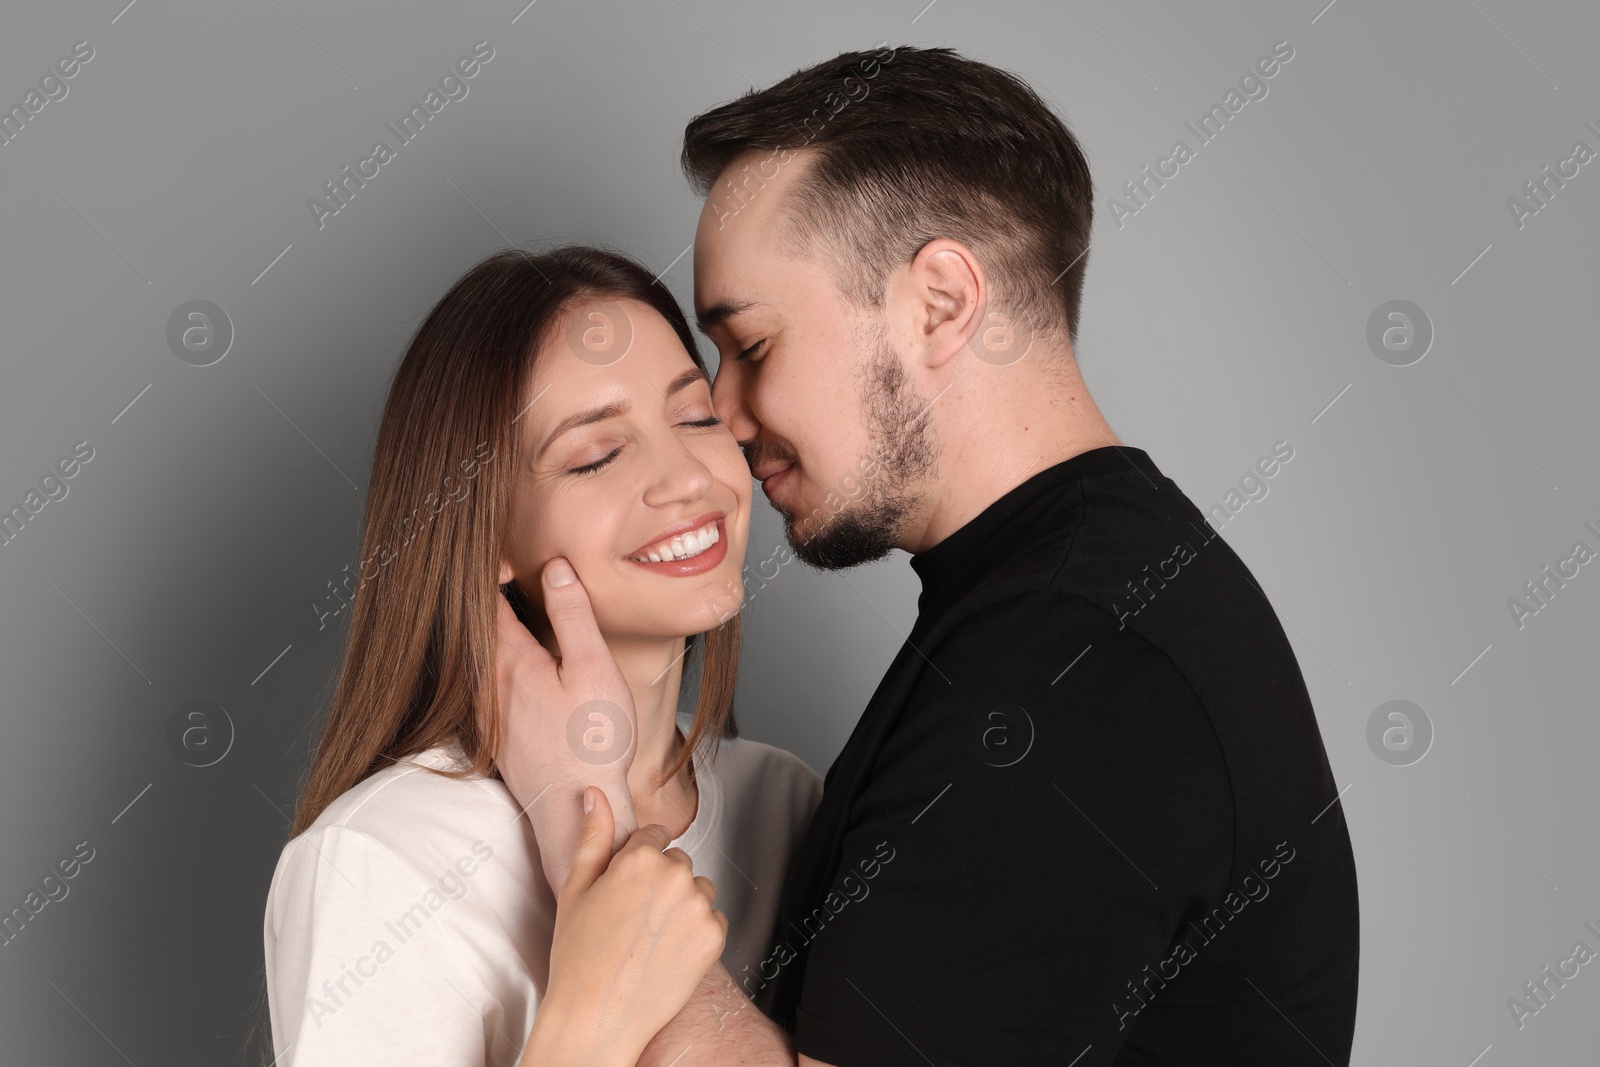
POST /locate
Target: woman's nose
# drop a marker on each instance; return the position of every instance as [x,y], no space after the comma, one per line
[680,475]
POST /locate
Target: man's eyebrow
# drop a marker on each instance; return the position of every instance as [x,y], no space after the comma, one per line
[582,418]
[719,313]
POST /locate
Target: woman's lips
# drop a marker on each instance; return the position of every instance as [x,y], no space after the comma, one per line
[677,530]
[683,568]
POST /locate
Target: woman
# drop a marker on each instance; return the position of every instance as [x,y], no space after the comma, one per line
[551,409]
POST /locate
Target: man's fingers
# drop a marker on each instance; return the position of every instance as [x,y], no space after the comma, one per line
[566,605]
[514,642]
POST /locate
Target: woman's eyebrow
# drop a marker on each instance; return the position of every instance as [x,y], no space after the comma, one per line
[612,410]
[686,379]
[582,418]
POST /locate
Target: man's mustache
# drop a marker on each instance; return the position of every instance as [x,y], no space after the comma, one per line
[757,453]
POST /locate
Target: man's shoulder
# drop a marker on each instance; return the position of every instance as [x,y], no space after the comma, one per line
[1132,560]
[1145,611]
[1104,534]
[1021,627]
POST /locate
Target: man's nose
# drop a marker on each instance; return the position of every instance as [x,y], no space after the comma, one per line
[729,402]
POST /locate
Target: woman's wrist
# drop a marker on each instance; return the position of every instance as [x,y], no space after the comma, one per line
[560,1038]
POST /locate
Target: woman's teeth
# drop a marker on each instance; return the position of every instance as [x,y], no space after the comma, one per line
[684,546]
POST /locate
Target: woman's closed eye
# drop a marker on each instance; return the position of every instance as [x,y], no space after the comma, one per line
[590,468]
[695,405]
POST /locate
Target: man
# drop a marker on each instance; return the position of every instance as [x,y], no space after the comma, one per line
[1087,809]
[1087,817]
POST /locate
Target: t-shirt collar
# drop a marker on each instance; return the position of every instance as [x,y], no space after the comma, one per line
[708,811]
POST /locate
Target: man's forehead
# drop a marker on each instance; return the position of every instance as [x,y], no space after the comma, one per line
[743,243]
[755,180]
[726,275]
[752,199]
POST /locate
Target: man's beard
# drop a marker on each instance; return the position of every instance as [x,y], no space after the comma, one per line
[906,451]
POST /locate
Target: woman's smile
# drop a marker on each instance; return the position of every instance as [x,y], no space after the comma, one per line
[691,552]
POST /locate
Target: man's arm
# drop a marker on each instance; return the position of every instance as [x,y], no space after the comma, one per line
[720,1025]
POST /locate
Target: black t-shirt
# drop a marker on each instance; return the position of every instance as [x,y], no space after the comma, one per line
[1087,817]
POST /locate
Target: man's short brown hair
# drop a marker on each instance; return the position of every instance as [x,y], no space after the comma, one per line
[914,144]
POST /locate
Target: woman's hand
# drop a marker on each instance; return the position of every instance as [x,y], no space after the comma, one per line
[634,935]
[565,724]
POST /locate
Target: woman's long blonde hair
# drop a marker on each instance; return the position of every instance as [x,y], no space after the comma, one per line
[419,654]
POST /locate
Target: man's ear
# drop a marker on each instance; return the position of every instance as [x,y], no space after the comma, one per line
[945,291]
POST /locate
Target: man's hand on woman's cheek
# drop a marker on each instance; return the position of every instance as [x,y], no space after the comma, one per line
[564,724]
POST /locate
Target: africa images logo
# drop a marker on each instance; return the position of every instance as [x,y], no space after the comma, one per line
[1251,888]
[452,86]
[452,885]
[851,888]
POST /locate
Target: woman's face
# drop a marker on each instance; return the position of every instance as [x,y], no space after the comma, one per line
[627,473]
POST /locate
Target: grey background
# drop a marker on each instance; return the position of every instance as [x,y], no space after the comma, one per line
[1228,314]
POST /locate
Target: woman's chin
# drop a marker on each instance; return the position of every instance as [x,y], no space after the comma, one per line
[712,608]
[668,614]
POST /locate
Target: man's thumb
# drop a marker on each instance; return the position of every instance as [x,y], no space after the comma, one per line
[594,841]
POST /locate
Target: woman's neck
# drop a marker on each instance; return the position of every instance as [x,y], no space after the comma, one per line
[653,670]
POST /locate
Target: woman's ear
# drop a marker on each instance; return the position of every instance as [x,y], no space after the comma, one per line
[505,573]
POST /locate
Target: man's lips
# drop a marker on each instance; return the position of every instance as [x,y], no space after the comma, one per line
[770,480]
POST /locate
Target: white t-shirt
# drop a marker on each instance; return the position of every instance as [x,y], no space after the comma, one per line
[411,922]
